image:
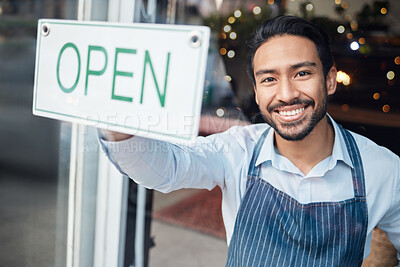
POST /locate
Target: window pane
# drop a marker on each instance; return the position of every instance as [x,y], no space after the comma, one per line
[33,194]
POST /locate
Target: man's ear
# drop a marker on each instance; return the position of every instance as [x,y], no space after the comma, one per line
[255,94]
[331,81]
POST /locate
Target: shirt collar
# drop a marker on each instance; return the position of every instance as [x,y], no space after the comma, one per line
[339,152]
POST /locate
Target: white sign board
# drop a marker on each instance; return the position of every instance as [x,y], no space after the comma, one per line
[141,79]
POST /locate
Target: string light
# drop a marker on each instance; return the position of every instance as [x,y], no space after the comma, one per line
[349,36]
[309,7]
[231,20]
[383,11]
[345,5]
[228,78]
[233,35]
[231,53]
[227,28]
[341,29]
[361,41]
[237,13]
[397,60]
[386,108]
[343,77]
[271,2]
[354,25]
[376,96]
[257,10]
[220,112]
[338,2]
[345,107]
[354,46]
[222,51]
[390,75]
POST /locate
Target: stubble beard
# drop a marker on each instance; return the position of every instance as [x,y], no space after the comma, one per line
[288,129]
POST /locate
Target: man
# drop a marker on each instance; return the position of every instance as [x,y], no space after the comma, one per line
[298,191]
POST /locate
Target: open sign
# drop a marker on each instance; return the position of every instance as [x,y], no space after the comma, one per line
[142,79]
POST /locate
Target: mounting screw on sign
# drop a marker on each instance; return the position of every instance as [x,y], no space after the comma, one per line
[194,39]
[45,29]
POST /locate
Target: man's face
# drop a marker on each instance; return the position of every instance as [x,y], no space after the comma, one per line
[291,90]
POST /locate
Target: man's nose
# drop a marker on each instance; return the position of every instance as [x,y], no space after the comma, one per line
[287,91]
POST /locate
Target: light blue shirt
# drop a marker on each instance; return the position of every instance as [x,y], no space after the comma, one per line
[223,159]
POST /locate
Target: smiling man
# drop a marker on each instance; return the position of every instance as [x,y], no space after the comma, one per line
[298,191]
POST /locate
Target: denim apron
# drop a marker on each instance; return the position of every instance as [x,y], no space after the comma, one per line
[274,229]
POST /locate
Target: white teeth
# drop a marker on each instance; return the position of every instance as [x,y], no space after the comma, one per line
[291,112]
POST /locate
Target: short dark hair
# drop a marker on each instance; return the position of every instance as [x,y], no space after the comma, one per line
[290,25]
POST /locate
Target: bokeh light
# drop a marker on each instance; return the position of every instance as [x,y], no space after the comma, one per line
[390,75]
[222,51]
[343,77]
[220,112]
[309,7]
[354,46]
[233,35]
[237,13]
[354,25]
[231,20]
[257,10]
[341,29]
[386,108]
[376,96]
[231,53]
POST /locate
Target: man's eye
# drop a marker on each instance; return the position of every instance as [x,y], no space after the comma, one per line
[303,73]
[268,79]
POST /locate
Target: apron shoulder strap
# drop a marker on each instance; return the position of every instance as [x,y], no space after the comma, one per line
[358,170]
[252,167]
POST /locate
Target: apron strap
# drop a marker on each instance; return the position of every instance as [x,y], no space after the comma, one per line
[253,171]
[358,171]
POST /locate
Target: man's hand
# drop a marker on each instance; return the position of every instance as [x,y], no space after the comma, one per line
[114,136]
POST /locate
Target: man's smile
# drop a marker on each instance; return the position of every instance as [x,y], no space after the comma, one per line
[290,113]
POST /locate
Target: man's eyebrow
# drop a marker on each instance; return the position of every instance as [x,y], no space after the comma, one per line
[303,64]
[265,71]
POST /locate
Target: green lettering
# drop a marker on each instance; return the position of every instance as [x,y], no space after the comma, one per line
[147,60]
[95,72]
[67,45]
[121,73]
